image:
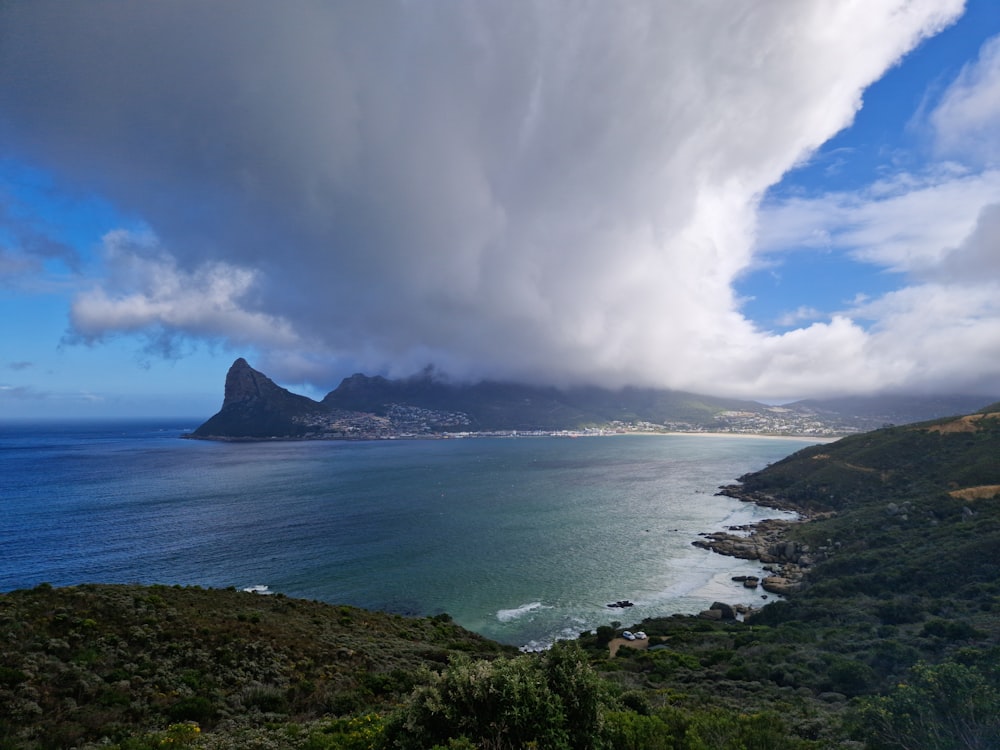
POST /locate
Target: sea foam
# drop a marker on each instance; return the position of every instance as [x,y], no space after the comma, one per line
[507,615]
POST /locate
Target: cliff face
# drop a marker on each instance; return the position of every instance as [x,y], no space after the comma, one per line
[256,407]
[245,386]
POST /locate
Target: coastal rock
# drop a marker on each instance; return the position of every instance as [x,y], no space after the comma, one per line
[781,585]
[727,612]
[763,499]
[710,614]
[730,545]
[786,560]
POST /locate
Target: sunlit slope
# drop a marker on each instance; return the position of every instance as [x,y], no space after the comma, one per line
[927,460]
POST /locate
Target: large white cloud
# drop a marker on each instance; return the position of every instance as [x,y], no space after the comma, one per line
[149,293]
[939,230]
[965,121]
[560,191]
[906,224]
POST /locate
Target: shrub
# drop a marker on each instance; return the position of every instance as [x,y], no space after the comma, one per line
[176,735]
[941,707]
[193,708]
[604,635]
[950,630]
[851,677]
[900,611]
[10,677]
[354,733]
[630,731]
[724,730]
[265,698]
[553,700]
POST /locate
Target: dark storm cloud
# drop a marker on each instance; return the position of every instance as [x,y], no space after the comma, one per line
[542,190]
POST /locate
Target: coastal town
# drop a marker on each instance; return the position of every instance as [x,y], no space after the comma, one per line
[404,421]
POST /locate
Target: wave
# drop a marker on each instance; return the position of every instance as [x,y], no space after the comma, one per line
[568,633]
[259,588]
[748,513]
[508,615]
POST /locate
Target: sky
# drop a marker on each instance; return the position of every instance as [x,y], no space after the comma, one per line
[770,200]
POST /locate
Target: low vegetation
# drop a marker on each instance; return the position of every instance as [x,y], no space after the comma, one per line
[893,644]
[92,663]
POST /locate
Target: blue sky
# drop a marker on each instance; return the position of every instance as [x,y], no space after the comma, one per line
[788,201]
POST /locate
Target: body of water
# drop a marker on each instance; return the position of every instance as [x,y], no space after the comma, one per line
[522,540]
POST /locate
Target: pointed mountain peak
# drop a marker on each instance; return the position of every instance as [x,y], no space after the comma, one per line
[256,407]
[245,384]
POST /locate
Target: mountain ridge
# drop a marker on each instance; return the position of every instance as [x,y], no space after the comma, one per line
[371,407]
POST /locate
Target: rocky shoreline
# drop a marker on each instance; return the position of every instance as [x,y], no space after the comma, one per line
[787,561]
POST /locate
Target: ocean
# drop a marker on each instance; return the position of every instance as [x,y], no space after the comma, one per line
[524,540]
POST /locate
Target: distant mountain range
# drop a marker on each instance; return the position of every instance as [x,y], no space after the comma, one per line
[364,407]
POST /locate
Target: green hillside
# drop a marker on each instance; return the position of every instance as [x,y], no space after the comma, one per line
[94,661]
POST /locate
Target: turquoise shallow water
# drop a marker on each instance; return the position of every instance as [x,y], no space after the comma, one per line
[522,539]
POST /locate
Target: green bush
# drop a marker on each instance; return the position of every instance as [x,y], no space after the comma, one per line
[950,630]
[851,677]
[550,701]
[945,707]
[604,635]
[354,733]
[900,611]
[723,730]
[629,731]
[193,708]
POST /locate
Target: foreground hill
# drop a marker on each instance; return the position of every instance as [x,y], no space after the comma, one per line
[889,639]
[364,407]
[95,661]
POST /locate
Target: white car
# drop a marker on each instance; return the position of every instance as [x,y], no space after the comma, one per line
[628,636]
[640,636]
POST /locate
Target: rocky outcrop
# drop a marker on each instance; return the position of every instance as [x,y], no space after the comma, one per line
[764,541]
[785,584]
[787,561]
[763,499]
[722,611]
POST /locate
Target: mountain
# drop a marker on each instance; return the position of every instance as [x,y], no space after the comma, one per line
[872,412]
[367,407]
[491,405]
[256,407]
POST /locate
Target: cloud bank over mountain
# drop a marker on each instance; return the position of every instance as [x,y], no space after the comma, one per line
[543,191]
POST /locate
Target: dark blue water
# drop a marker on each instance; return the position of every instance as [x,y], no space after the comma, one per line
[519,539]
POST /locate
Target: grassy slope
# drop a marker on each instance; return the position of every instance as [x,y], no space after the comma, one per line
[91,661]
